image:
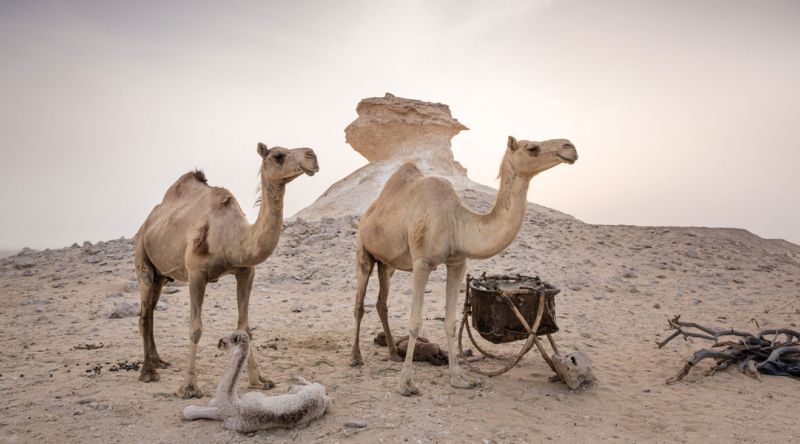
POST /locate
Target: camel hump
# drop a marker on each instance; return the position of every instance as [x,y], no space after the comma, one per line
[409,168]
[192,177]
[198,175]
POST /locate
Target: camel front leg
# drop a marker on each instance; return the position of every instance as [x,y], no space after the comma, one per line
[455,275]
[197,291]
[364,265]
[244,286]
[385,273]
[420,275]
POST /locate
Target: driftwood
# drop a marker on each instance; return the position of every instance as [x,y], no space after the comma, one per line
[763,352]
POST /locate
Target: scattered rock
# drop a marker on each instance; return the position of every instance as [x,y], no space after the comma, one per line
[124,310]
[656,305]
[21,262]
[357,424]
[297,309]
[131,287]
[94,259]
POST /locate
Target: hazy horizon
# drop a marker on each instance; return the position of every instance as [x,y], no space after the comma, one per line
[683,113]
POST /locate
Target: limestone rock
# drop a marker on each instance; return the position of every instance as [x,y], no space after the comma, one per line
[574,369]
[389,132]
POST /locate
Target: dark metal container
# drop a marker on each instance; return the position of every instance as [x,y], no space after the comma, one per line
[492,316]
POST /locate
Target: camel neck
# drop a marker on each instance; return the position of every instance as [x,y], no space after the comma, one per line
[226,390]
[485,235]
[267,228]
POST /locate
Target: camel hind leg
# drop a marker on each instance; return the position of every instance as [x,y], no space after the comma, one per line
[385,273]
[244,285]
[150,285]
[364,265]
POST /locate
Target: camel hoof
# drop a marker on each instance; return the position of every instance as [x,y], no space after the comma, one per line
[189,391]
[395,358]
[262,384]
[355,360]
[407,388]
[148,375]
[463,382]
[161,364]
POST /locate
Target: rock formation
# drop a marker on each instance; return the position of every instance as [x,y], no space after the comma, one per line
[388,132]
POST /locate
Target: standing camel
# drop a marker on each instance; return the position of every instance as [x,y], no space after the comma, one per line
[419,222]
[199,233]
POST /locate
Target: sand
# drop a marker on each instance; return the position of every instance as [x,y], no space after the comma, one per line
[620,285]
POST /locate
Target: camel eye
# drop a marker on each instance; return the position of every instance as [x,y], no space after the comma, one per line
[534,150]
[279,157]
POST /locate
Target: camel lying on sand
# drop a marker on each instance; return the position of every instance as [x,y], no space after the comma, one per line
[418,223]
[255,411]
[199,233]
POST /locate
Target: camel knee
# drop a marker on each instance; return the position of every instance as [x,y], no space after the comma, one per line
[382,309]
[195,335]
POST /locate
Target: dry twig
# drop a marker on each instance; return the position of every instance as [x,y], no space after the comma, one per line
[762,352]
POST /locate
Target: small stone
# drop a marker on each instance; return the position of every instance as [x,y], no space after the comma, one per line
[124,310]
[161,306]
[131,287]
[357,424]
[656,305]
[370,302]
[561,397]
[27,272]
[22,262]
[94,259]
[586,335]
[297,309]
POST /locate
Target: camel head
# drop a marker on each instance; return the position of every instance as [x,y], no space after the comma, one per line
[237,338]
[529,158]
[283,165]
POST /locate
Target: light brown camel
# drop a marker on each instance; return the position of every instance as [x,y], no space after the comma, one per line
[199,233]
[419,222]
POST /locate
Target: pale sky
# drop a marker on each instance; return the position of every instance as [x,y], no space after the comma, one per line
[683,112]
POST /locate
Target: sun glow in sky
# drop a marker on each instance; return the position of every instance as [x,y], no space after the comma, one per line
[683,112]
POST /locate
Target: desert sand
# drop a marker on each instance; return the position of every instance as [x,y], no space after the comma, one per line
[64,364]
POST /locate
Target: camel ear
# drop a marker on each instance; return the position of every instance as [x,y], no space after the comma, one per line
[262,149]
[512,143]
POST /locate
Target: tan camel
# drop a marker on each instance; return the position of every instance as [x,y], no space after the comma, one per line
[419,222]
[199,233]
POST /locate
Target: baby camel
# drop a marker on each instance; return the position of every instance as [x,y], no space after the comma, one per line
[255,411]
[419,222]
[199,233]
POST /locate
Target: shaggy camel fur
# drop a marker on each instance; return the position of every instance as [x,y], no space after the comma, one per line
[254,411]
[199,233]
[419,222]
